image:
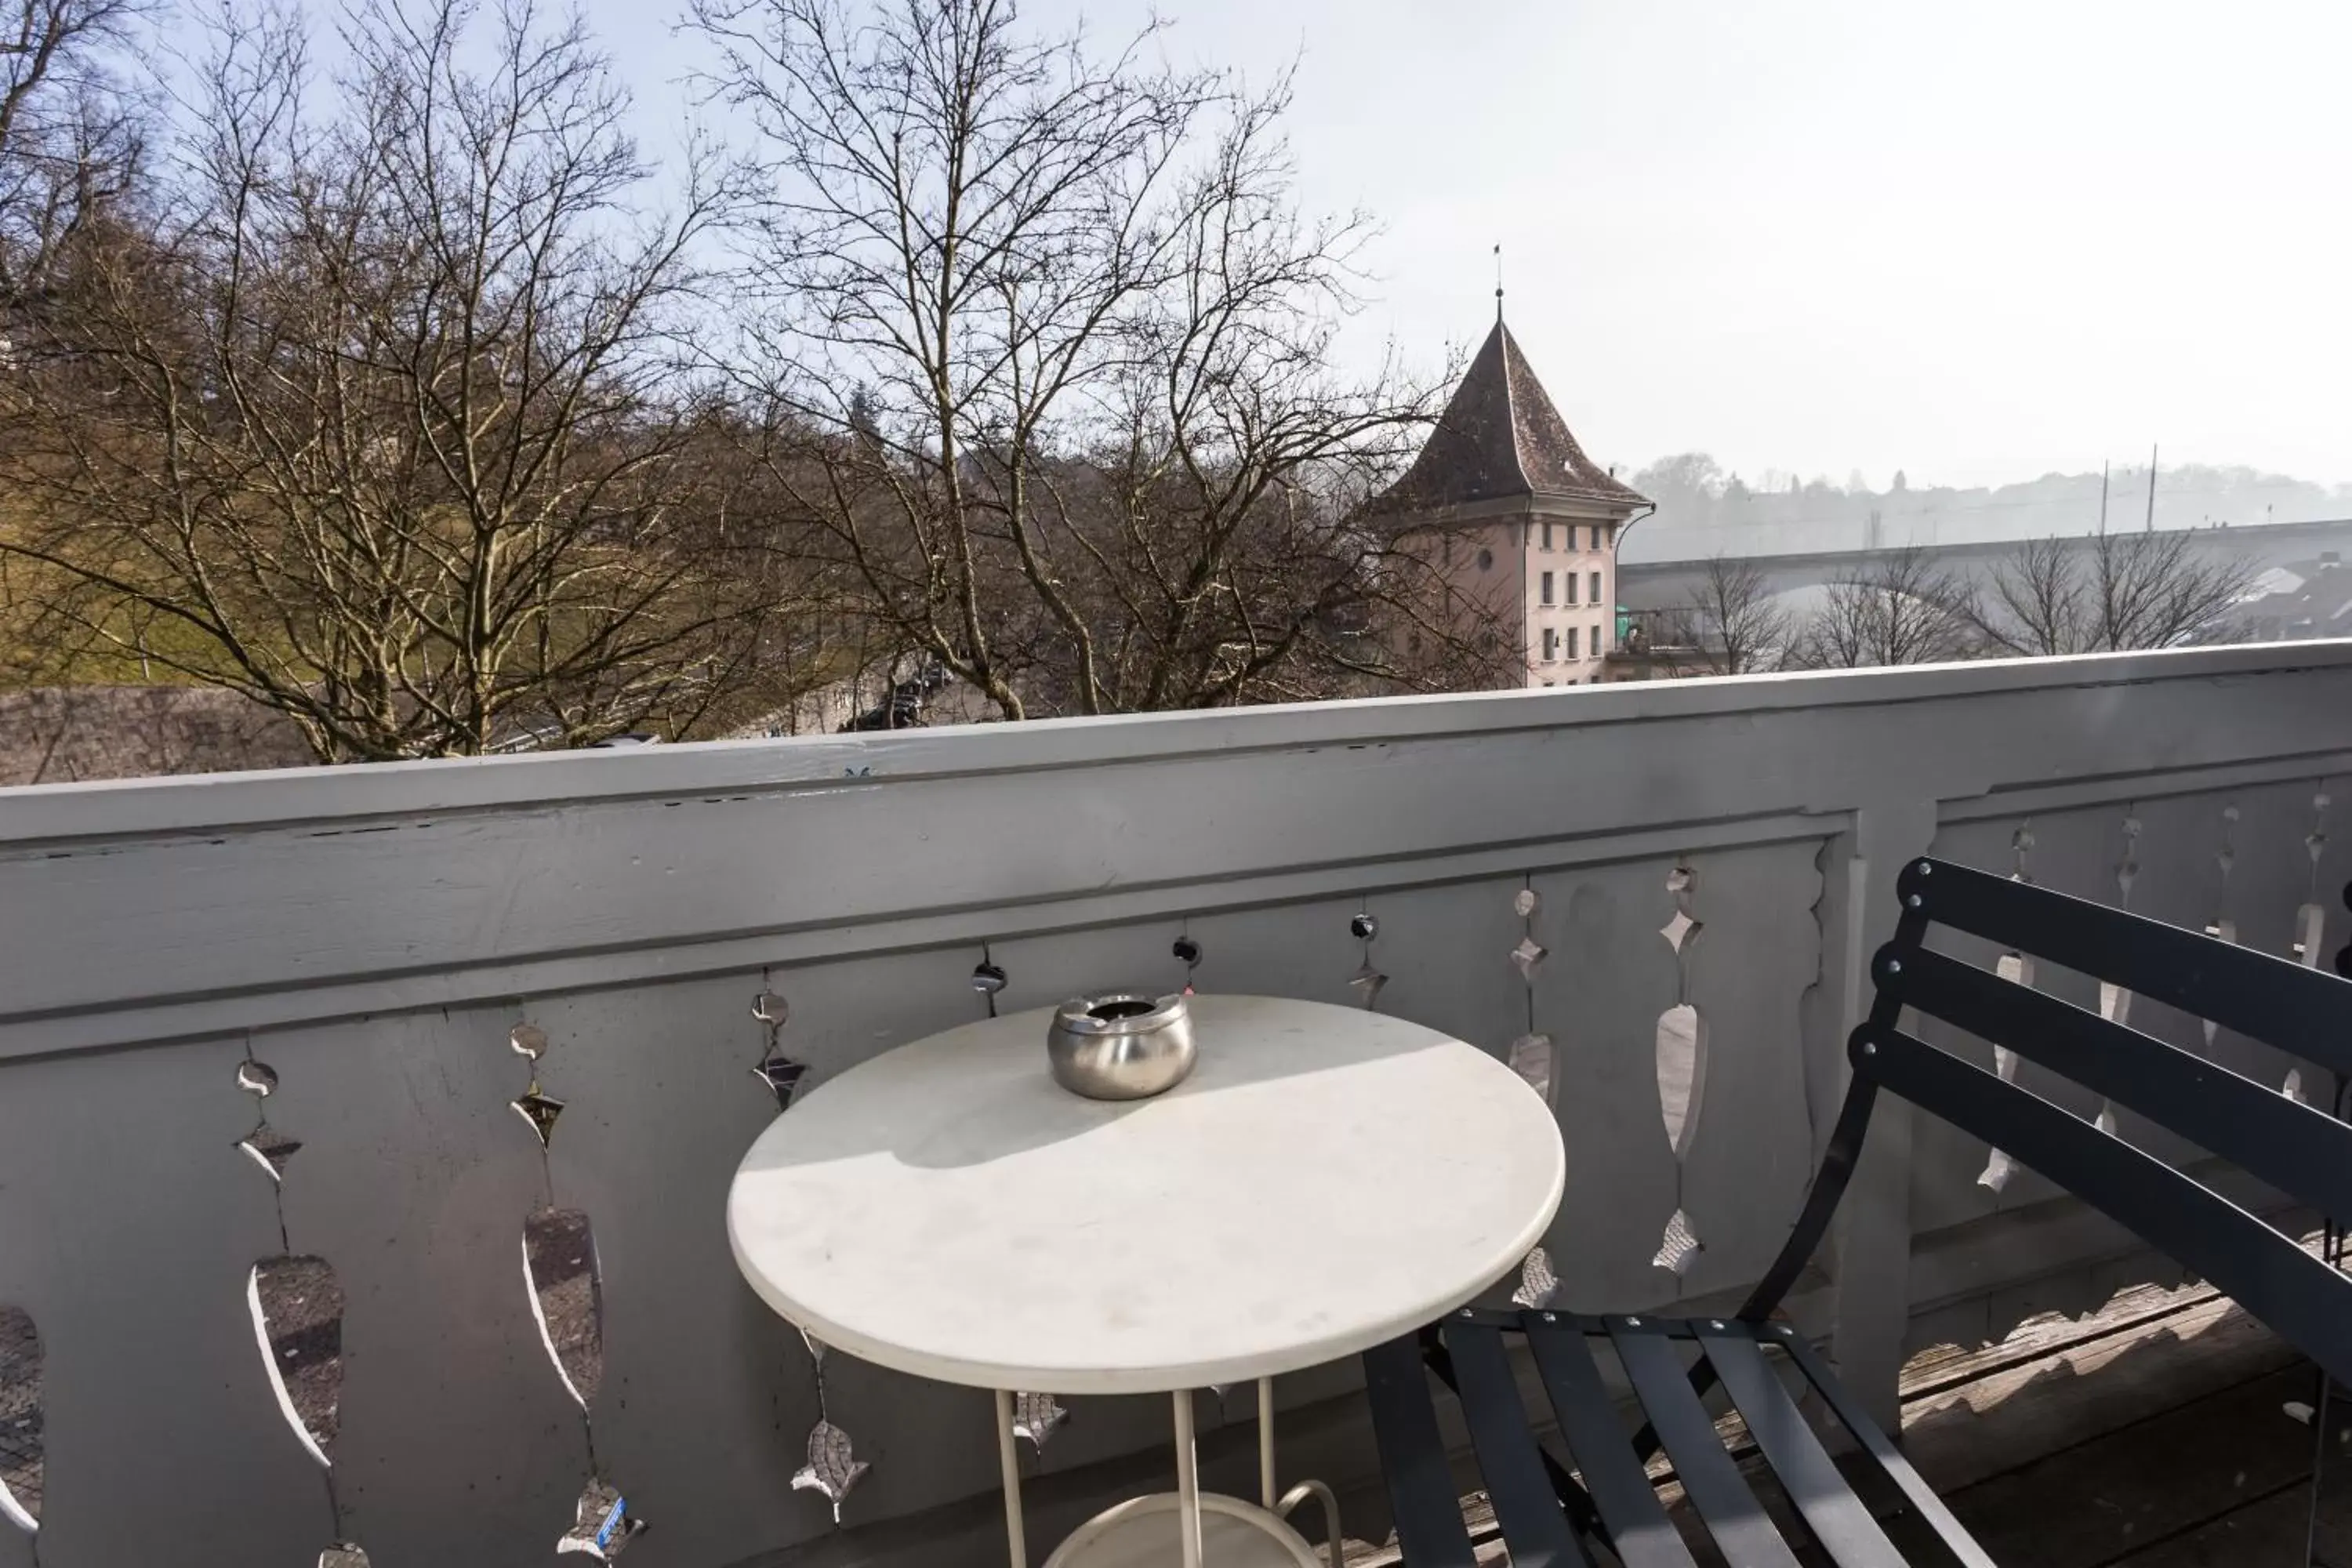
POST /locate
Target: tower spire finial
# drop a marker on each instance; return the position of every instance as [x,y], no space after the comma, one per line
[1498,283]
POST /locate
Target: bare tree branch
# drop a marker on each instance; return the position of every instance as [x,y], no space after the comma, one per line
[1739,626]
[2115,592]
[379,420]
[1056,344]
[1901,609]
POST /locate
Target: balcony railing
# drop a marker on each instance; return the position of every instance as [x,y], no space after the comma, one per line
[1712,861]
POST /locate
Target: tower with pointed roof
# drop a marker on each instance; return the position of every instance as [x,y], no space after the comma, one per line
[1524,522]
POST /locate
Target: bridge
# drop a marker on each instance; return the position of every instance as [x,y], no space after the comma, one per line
[2296,548]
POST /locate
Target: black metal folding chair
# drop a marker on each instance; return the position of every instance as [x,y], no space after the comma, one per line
[1592,1499]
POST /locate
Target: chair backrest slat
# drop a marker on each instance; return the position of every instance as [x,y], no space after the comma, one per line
[2303,1152]
[2297,1009]
[2264,1272]
[2289,1145]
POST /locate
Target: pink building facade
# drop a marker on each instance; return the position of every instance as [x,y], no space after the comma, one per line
[1527,524]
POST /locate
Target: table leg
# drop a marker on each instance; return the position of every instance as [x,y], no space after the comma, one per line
[1008,1456]
[1265,1443]
[1188,1481]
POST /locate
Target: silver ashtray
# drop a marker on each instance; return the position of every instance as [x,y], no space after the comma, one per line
[1127,1045]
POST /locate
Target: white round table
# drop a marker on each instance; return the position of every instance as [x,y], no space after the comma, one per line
[1326,1180]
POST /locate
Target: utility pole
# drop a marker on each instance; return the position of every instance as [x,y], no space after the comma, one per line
[2151,492]
[2103,498]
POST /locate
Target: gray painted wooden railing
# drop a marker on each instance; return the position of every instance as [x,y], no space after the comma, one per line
[372,935]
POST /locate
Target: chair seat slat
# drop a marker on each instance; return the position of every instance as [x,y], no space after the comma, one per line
[1629,1507]
[1526,1506]
[1806,1472]
[1883,1452]
[1710,1480]
[1429,1527]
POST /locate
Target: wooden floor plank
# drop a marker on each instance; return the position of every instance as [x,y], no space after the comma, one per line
[1977,1430]
[2097,1502]
[1940,1367]
[2263,1533]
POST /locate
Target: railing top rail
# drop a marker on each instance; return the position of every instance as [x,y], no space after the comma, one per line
[39,814]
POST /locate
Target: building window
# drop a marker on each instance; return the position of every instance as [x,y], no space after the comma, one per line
[1547,587]
[1571,588]
[1572,642]
[1486,560]
[1596,589]
[1596,640]
[1551,644]
[1547,535]
[1613,537]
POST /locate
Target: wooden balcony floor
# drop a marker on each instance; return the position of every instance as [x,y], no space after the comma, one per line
[2155,1434]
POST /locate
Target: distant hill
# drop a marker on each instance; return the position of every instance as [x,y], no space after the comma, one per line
[1703,511]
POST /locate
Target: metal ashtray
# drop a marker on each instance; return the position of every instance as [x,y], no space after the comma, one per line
[1122,1047]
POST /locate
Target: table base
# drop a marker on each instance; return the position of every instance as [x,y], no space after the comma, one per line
[1184,1527]
[1146,1532]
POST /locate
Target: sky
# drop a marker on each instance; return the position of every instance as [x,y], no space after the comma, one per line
[1976,242]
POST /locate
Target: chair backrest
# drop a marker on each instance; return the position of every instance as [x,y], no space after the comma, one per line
[2289,1145]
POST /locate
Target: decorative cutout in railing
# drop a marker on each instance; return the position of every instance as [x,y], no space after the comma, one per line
[1534,1058]
[1187,952]
[21,1448]
[297,1309]
[1531,1058]
[565,1292]
[297,1306]
[2018,969]
[2115,1002]
[2311,919]
[1531,1055]
[558,1266]
[1037,1416]
[988,978]
[1681,1073]
[267,1147]
[832,1470]
[1679,1051]
[604,1527]
[1537,1281]
[779,1073]
[1365,927]
[2224,924]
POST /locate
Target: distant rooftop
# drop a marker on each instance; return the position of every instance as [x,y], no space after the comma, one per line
[1500,437]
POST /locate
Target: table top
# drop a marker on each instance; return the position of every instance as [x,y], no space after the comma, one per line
[1325,1179]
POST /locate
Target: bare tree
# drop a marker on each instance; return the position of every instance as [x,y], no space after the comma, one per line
[1900,609]
[1058,347]
[1736,624]
[70,130]
[2113,592]
[379,422]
